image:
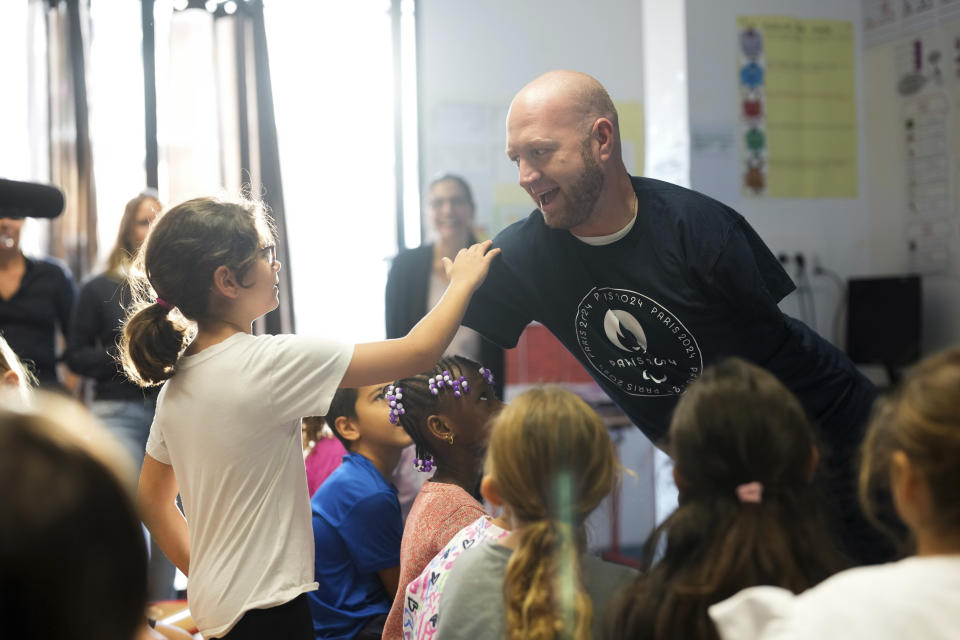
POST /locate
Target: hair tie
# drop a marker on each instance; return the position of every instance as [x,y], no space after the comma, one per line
[750,492]
[163,303]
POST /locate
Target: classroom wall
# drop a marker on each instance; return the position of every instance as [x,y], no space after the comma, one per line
[836,231]
[895,228]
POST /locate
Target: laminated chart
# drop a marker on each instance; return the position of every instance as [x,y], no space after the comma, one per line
[797,93]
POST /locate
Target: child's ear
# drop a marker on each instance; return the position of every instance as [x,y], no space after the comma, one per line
[439,427]
[225,282]
[346,428]
[488,489]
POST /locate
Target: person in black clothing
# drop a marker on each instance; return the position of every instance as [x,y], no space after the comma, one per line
[95,328]
[417,280]
[645,283]
[36,295]
[125,408]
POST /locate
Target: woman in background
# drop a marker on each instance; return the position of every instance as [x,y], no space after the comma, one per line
[414,285]
[125,409]
[91,351]
[36,295]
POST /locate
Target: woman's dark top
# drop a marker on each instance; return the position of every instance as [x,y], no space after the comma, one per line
[408,285]
[94,333]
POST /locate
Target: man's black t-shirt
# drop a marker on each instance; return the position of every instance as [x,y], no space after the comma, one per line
[690,283]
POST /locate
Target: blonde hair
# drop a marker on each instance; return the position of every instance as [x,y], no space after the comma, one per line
[551,461]
[921,419]
[123,249]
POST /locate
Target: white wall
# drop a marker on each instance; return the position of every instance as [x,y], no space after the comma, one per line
[838,232]
[887,195]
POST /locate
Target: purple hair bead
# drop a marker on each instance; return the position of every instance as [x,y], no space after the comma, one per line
[487,375]
[393,396]
[424,464]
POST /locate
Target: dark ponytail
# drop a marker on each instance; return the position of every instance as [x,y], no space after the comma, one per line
[152,344]
[176,265]
[737,424]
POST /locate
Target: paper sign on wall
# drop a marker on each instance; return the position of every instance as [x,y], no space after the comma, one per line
[797,107]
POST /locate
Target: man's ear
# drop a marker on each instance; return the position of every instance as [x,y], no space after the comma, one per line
[346,428]
[10,379]
[488,489]
[438,427]
[225,282]
[604,134]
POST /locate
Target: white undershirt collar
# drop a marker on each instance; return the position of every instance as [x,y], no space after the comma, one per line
[599,241]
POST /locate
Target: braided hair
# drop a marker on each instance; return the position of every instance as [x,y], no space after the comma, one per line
[419,402]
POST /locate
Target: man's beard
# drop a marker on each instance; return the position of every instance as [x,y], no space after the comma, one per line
[582,195]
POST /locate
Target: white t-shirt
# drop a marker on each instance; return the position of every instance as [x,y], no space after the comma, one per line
[918,597]
[228,422]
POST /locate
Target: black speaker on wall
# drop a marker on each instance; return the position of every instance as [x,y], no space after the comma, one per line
[884,320]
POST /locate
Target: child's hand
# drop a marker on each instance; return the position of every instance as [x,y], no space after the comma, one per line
[471,265]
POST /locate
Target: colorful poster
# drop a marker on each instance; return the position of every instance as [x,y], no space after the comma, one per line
[798,107]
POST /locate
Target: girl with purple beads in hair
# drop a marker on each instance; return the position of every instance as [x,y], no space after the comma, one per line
[446,412]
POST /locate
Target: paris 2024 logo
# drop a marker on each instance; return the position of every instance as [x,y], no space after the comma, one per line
[636,343]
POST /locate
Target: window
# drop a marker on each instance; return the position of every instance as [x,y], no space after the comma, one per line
[332,70]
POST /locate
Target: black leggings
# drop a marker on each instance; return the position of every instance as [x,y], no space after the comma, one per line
[290,621]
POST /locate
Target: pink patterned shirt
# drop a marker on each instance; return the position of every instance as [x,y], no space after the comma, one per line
[440,511]
[423,594]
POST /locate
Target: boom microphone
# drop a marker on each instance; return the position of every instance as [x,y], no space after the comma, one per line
[29,200]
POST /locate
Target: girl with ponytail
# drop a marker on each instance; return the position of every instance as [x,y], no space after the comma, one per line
[912,451]
[744,458]
[549,464]
[226,434]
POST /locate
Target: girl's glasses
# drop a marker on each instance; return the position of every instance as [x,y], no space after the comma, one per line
[270,253]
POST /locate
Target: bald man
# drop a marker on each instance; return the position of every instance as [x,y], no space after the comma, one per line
[645,282]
